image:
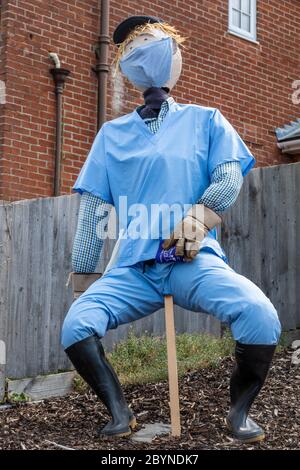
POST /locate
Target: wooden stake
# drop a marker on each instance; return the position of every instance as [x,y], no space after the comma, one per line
[172,366]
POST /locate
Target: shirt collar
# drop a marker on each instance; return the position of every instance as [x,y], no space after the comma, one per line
[164,109]
[170,101]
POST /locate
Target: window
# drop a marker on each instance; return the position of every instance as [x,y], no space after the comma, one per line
[242,18]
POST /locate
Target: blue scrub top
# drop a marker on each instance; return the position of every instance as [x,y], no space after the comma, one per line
[172,166]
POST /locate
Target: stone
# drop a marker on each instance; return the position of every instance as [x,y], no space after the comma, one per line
[295,344]
[296,357]
[149,431]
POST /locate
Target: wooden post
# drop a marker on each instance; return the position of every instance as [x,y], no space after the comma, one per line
[81,282]
[172,367]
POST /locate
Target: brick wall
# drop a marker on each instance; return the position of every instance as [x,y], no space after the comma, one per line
[250,83]
[2,85]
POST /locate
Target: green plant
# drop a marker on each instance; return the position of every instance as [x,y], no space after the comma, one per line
[15,397]
[144,359]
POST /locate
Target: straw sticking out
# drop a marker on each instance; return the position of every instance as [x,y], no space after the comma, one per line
[146,28]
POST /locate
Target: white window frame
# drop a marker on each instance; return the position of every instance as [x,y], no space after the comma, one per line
[251,36]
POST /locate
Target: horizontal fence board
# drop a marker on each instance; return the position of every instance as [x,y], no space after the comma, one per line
[42,387]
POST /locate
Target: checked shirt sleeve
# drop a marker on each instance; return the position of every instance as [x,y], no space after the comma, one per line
[90,234]
[226,182]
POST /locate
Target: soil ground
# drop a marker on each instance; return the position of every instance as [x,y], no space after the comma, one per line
[73,421]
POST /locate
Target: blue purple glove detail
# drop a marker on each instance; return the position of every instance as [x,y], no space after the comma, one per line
[168,256]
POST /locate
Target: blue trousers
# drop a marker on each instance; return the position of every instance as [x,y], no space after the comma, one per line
[207,284]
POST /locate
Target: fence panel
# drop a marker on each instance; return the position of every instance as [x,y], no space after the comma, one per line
[261,237]
[41,241]
[36,238]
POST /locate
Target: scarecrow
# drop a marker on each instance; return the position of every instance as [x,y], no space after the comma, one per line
[164,154]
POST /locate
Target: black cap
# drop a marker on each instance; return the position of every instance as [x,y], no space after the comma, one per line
[123,29]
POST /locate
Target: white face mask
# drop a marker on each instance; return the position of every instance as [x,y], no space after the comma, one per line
[149,65]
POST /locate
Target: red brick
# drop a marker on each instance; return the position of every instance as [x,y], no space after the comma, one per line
[250,83]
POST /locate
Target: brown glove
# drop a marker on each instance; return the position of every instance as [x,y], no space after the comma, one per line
[190,232]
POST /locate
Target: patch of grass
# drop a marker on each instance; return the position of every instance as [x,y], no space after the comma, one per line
[79,385]
[144,359]
[284,342]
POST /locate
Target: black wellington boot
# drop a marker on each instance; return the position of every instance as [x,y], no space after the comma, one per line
[89,359]
[252,365]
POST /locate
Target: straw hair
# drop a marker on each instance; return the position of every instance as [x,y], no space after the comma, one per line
[146,28]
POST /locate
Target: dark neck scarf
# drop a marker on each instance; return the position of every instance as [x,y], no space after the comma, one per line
[154,98]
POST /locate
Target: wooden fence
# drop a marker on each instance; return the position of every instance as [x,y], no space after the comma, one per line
[260,234]
[36,238]
[261,237]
